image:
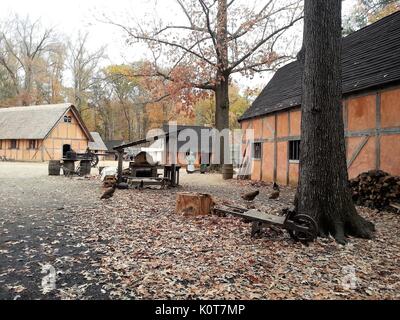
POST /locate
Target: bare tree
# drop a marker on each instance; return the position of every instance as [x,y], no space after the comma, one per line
[323,190]
[22,44]
[49,73]
[218,39]
[83,65]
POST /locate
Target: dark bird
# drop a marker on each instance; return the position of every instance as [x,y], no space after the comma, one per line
[250,196]
[276,193]
[109,193]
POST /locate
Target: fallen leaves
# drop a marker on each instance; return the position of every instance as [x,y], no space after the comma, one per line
[136,247]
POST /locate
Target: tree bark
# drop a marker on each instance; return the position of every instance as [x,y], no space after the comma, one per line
[323,191]
[222,105]
[222,81]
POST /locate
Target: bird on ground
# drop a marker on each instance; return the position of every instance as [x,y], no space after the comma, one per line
[109,193]
[250,196]
[276,193]
[141,185]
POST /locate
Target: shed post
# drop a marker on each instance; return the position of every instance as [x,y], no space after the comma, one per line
[42,151]
[120,164]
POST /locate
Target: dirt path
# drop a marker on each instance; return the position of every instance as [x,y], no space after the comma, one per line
[135,247]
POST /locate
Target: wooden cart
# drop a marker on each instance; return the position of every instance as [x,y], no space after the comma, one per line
[301,228]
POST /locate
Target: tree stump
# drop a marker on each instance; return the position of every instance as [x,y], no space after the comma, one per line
[194,204]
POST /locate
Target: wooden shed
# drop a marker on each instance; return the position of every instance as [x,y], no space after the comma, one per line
[42,133]
[371,109]
[192,139]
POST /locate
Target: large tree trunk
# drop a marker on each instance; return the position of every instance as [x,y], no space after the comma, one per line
[222,81]
[222,105]
[323,191]
[222,114]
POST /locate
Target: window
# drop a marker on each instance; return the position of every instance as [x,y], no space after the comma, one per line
[67,119]
[294,150]
[257,147]
[13,144]
[33,145]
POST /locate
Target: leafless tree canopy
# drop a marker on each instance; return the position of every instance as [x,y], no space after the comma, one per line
[252,41]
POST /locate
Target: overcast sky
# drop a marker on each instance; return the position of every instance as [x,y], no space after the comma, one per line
[72,16]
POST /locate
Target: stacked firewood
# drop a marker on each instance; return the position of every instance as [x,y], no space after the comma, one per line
[376,189]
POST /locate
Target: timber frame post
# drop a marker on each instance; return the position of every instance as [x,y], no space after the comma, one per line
[378,131]
[120,164]
[275,148]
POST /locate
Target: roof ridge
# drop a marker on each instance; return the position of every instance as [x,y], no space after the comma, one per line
[42,106]
[374,24]
[369,59]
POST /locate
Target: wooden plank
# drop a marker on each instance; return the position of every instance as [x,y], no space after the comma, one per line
[357,151]
[120,165]
[262,217]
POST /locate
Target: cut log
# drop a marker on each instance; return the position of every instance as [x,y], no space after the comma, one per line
[194,204]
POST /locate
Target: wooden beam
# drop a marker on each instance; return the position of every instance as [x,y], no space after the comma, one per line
[288,152]
[357,151]
[378,132]
[147,140]
[120,164]
[276,148]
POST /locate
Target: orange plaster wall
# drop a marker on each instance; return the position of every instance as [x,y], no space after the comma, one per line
[269,127]
[283,124]
[362,113]
[256,172]
[295,123]
[361,116]
[390,154]
[282,162]
[268,162]
[258,128]
[366,160]
[390,108]
[293,173]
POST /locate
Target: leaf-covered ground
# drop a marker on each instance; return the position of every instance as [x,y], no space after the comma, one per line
[135,247]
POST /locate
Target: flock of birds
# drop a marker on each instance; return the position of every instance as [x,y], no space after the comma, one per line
[250,197]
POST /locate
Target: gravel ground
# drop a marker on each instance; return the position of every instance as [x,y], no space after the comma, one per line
[134,246]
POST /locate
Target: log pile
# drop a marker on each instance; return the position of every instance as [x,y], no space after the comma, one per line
[375,189]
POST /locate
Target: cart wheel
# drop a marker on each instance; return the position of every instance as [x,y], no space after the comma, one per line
[95,160]
[304,236]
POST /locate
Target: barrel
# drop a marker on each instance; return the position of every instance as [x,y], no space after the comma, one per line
[227,171]
[85,168]
[69,167]
[54,168]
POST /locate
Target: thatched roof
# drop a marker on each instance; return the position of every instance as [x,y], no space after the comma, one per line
[98,143]
[35,122]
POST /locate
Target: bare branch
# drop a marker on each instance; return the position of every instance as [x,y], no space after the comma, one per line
[261,42]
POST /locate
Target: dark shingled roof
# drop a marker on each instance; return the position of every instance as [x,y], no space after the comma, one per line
[113,143]
[371,58]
